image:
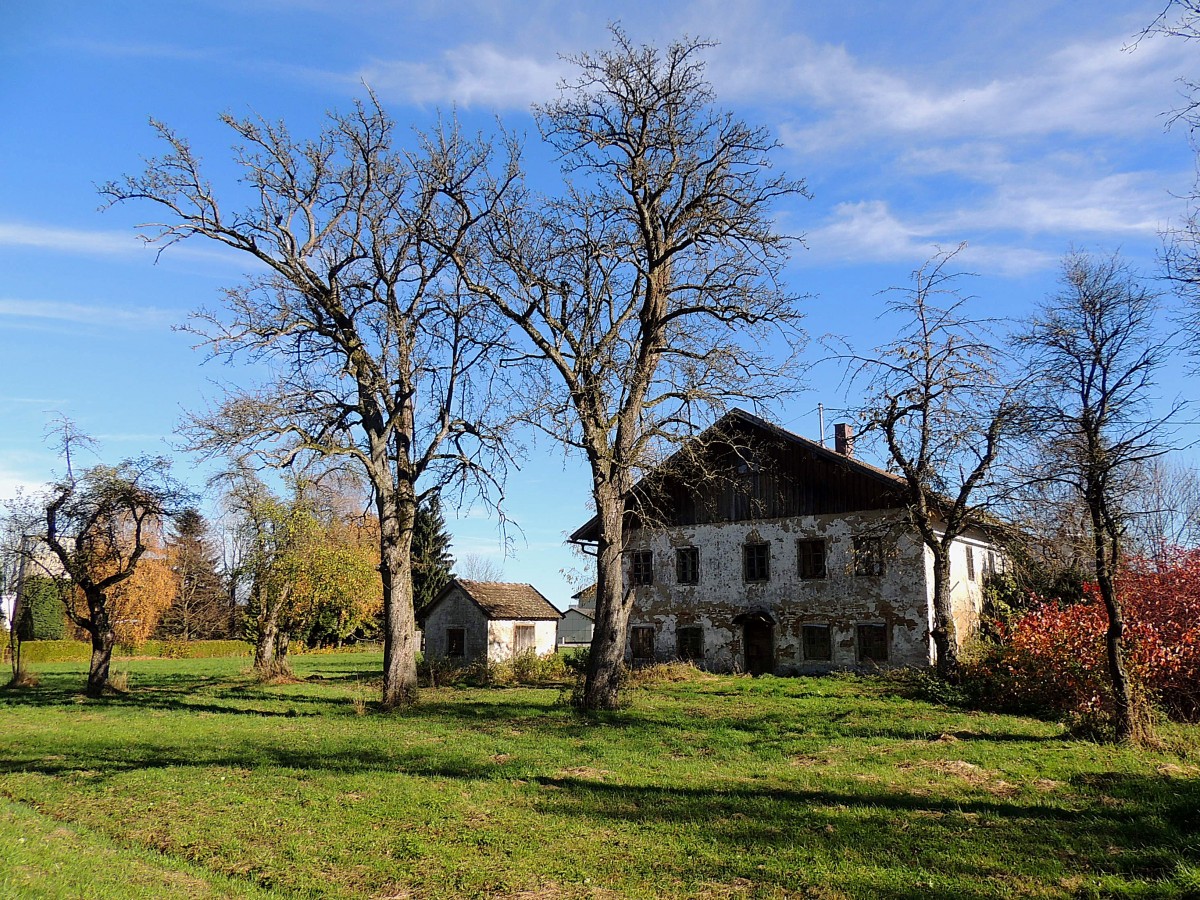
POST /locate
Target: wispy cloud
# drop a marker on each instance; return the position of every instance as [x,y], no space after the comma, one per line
[83,314]
[74,240]
[478,75]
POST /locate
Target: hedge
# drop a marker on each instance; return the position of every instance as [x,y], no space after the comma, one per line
[81,651]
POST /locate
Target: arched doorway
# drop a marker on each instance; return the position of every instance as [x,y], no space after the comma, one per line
[758,642]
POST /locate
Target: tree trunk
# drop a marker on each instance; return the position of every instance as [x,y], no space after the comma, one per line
[103,639]
[396,515]
[268,634]
[1114,636]
[945,632]
[601,687]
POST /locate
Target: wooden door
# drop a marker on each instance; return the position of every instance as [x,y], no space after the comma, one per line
[758,639]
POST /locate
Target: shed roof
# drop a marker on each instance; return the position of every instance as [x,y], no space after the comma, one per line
[500,600]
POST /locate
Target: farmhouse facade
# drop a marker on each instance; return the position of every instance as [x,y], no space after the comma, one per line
[758,550]
[488,620]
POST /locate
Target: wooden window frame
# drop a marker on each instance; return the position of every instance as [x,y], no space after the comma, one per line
[807,565]
[687,565]
[641,567]
[641,637]
[689,643]
[751,557]
[461,648]
[878,637]
[811,629]
[868,557]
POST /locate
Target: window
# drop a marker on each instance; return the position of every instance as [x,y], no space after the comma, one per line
[641,567]
[818,645]
[456,642]
[642,642]
[868,556]
[991,563]
[690,643]
[872,643]
[687,565]
[811,558]
[756,562]
[524,639]
[971,563]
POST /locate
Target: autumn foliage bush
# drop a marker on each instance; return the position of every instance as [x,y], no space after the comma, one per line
[1052,657]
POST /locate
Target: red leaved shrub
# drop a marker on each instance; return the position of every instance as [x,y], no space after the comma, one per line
[1052,657]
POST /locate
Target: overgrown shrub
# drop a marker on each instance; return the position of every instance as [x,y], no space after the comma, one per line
[1052,658]
[42,617]
[576,660]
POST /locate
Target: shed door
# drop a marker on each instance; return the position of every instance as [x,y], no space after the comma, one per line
[524,639]
[758,638]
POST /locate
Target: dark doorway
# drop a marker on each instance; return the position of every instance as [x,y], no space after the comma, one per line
[758,639]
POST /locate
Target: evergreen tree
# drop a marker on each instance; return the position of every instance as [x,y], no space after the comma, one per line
[432,563]
[199,608]
[41,617]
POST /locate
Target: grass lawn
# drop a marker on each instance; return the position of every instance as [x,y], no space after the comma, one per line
[203,783]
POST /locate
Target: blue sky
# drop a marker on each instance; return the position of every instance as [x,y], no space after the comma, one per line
[1022,128]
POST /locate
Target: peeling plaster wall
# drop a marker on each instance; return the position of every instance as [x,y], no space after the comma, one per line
[501,637]
[456,610]
[898,598]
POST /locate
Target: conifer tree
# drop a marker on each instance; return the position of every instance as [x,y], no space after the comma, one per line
[432,564]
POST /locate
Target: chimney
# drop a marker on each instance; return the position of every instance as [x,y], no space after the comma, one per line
[843,439]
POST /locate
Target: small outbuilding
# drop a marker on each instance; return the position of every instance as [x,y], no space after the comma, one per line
[496,621]
[575,629]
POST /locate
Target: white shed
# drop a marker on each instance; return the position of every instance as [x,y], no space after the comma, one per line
[491,620]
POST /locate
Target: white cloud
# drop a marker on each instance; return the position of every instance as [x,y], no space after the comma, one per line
[868,231]
[104,243]
[81,314]
[472,75]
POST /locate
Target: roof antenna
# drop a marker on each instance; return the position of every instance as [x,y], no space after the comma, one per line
[821,413]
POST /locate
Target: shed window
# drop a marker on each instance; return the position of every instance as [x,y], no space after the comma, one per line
[642,642]
[872,643]
[641,567]
[811,558]
[868,556]
[817,643]
[456,642]
[690,642]
[971,563]
[756,562]
[687,565]
[524,638]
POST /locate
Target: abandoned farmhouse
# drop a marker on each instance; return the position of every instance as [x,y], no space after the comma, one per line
[757,550]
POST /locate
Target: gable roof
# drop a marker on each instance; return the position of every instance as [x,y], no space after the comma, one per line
[500,600]
[739,417]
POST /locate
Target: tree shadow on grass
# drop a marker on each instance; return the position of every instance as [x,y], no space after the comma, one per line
[1139,828]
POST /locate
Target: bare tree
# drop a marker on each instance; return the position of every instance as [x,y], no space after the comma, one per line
[99,524]
[1181,243]
[648,290]
[938,399]
[377,353]
[1164,509]
[477,567]
[1095,354]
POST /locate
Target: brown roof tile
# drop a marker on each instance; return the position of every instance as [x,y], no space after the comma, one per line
[503,600]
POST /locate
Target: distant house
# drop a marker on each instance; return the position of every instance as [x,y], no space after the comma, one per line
[470,620]
[758,550]
[575,628]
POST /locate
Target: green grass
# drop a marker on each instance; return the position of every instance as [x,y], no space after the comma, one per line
[203,783]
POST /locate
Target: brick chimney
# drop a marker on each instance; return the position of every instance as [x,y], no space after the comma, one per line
[843,439]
